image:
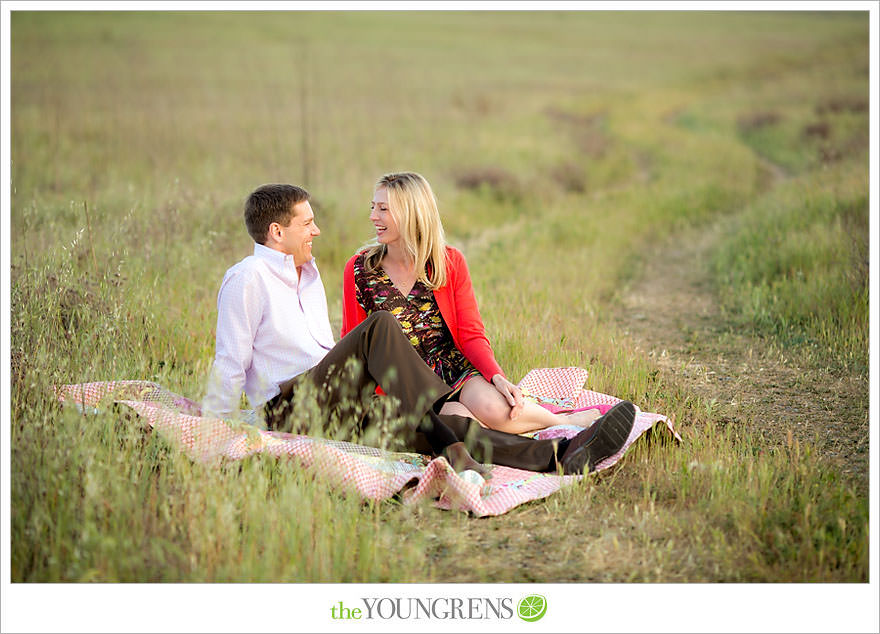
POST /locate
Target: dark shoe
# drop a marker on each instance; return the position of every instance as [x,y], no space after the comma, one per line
[602,439]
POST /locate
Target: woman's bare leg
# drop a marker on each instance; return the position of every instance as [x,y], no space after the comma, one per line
[458,409]
[490,408]
[454,407]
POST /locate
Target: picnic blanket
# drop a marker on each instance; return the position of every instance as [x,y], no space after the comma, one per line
[368,472]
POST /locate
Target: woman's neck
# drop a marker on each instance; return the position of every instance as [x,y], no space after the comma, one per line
[397,257]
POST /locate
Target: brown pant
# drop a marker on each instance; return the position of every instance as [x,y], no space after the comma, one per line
[377,352]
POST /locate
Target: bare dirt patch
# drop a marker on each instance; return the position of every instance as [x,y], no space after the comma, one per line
[670,311]
[586,131]
[497,180]
[756,120]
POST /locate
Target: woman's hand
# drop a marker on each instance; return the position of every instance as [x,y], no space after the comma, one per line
[511,393]
[458,456]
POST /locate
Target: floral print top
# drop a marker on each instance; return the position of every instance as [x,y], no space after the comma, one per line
[419,316]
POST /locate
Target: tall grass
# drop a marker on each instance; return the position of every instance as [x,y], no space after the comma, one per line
[109,501]
[796,265]
[563,148]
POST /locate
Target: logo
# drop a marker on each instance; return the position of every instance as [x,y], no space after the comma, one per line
[429,608]
[532,608]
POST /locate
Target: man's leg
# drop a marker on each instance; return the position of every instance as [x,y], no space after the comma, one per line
[602,439]
[383,355]
[379,345]
[498,447]
[376,352]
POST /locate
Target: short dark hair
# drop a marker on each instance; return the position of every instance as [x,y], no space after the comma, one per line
[268,204]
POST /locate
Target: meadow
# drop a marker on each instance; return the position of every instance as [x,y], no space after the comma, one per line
[567,151]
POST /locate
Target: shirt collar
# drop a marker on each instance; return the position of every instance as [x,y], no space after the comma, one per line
[279,261]
[271,255]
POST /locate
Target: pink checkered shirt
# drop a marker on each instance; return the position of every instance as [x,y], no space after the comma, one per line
[272,325]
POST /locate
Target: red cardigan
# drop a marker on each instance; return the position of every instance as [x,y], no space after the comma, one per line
[457,305]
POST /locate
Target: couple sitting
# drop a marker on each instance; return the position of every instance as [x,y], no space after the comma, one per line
[410,326]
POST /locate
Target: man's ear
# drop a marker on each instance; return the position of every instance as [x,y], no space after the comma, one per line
[274,232]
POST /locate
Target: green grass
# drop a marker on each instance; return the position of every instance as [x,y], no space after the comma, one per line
[110,502]
[796,265]
[694,513]
[596,136]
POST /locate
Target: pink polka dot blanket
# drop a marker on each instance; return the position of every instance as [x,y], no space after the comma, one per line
[365,471]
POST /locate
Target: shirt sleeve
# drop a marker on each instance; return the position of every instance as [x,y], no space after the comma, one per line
[239,312]
[471,334]
[352,312]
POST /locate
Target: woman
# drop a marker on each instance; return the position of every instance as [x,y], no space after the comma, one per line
[411,272]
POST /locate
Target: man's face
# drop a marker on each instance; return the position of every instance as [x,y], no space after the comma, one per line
[296,238]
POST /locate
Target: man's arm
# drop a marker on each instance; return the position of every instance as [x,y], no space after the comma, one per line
[239,312]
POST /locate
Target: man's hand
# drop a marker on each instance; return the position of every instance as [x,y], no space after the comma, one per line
[511,393]
[458,456]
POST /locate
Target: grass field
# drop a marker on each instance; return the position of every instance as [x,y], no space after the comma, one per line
[565,149]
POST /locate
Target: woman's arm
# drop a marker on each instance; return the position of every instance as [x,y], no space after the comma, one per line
[352,312]
[471,335]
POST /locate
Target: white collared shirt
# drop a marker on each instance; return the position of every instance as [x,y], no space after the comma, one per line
[272,324]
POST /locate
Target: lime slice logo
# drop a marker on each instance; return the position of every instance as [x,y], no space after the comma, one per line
[532,608]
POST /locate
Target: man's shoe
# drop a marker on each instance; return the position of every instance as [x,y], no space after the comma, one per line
[602,439]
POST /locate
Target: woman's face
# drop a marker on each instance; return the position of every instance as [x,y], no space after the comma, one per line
[380,215]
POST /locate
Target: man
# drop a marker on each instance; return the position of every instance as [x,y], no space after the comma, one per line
[274,338]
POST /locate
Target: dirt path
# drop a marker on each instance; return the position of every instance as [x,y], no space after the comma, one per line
[670,311]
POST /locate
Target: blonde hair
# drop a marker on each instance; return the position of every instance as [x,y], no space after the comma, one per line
[414,208]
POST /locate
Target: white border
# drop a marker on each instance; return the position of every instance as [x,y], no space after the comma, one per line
[435,5]
[874,313]
[5,243]
[571,607]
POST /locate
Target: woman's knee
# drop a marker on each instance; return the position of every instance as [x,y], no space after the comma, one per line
[490,408]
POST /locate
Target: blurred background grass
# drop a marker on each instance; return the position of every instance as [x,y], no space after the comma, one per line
[563,146]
